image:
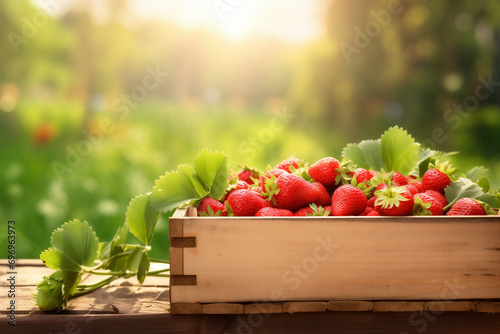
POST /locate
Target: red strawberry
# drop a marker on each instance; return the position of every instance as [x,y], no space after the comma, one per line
[367,211]
[437,195]
[348,200]
[399,179]
[394,201]
[426,205]
[244,202]
[328,209]
[324,198]
[373,213]
[211,207]
[371,201]
[434,179]
[268,212]
[411,188]
[325,171]
[285,164]
[417,184]
[363,175]
[411,178]
[241,185]
[235,186]
[290,192]
[314,210]
[249,174]
[269,175]
[467,207]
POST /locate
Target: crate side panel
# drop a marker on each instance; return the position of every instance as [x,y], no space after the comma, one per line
[238,260]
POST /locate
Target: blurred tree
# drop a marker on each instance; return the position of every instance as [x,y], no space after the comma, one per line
[378,68]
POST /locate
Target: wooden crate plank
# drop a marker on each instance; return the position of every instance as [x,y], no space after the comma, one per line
[392,258]
[182,242]
[263,308]
[222,308]
[398,306]
[175,228]
[350,306]
[176,261]
[296,307]
[453,306]
[182,280]
[488,307]
[186,308]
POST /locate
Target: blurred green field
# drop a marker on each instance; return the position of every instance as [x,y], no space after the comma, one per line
[124,163]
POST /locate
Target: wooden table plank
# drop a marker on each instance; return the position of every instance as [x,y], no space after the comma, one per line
[324,322]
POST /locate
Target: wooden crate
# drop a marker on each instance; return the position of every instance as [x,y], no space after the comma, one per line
[238,260]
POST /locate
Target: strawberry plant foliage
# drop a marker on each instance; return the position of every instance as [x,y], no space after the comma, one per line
[396,150]
[74,245]
[141,218]
[367,154]
[209,178]
[399,151]
[461,188]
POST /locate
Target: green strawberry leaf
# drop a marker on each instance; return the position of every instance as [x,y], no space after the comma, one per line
[476,173]
[55,259]
[114,246]
[143,268]
[484,183]
[75,244]
[399,150]
[426,157]
[212,170]
[70,283]
[141,218]
[176,188]
[461,188]
[366,154]
[491,198]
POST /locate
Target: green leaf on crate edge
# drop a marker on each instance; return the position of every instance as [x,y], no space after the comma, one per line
[212,170]
[176,188]
[399,150]
[462,188]
[366,154]
[141,218]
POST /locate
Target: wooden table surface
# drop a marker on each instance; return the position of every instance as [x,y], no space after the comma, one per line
[126,308]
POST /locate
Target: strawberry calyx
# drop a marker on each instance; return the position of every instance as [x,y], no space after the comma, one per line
[381,177]
[318,211]
[302,172]
[489,210]
[363,186]
[421,208]
[390,197]
[210,212]
[229,209]
[445,167]
[345,172]
[270,189]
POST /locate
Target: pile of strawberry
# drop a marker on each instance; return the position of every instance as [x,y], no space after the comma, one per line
[332,188]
